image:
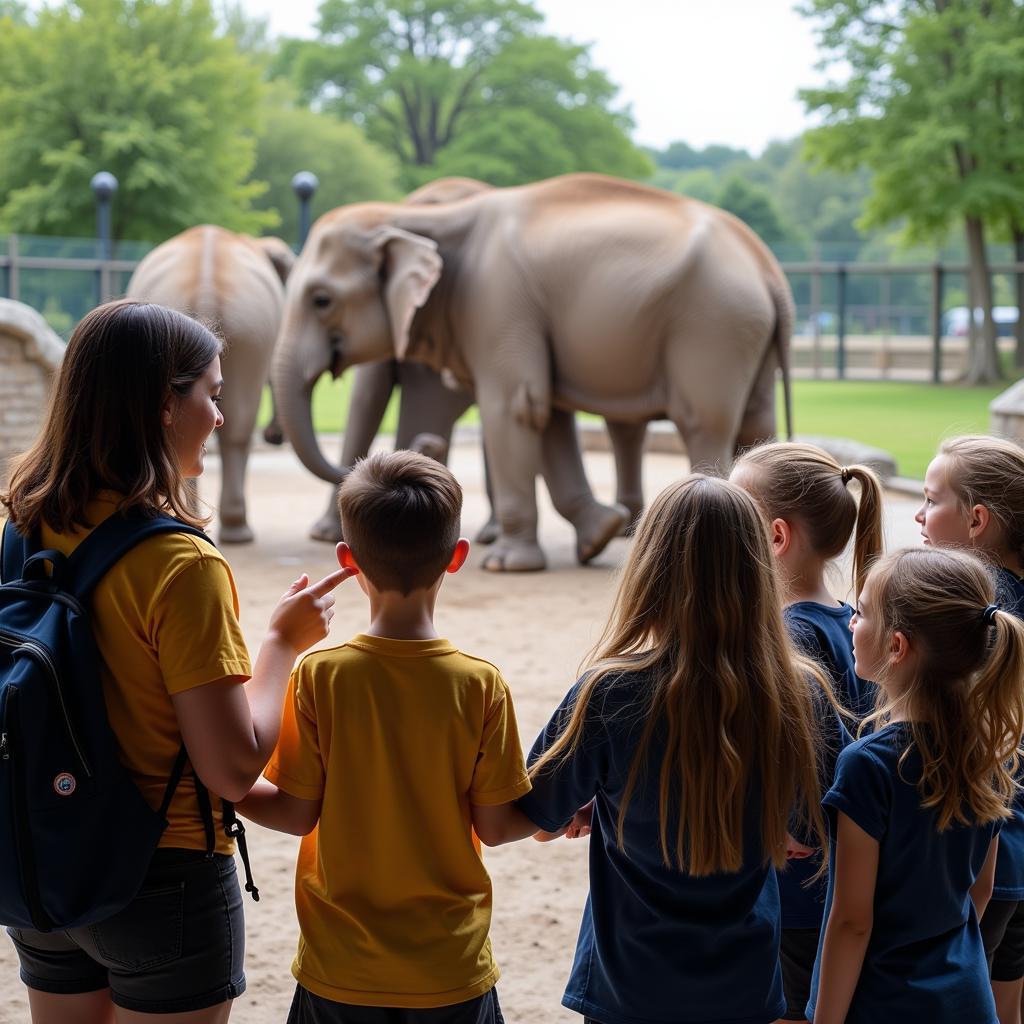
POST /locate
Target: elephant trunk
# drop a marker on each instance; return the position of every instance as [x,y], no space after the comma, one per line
[294,396]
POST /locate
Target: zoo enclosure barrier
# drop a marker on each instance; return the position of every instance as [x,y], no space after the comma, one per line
[843,327]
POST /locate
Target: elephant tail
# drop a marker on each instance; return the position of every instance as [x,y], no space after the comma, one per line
[782,298]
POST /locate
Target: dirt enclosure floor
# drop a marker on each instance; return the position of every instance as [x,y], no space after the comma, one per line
[535,627]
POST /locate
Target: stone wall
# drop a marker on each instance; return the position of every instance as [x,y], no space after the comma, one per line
[1006,413]
[29,353]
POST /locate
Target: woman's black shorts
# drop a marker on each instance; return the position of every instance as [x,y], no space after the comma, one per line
[1002,931]
[178,946]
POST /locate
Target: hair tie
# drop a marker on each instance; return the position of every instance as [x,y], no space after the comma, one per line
[844,472]
[988,616]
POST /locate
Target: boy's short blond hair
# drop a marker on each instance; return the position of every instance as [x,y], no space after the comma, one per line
[400,514]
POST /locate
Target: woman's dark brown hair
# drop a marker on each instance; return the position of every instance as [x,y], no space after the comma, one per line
[103,428]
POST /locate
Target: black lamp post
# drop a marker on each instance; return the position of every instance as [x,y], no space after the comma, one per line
[103,185]
[304,184]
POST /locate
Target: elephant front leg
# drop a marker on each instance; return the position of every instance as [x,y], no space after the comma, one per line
[514,457]
[595,524]
[234,456]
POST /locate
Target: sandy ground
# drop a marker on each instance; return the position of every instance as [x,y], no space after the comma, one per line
[536,627]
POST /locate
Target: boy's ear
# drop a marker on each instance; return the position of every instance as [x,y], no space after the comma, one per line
[459,555]
[345,557]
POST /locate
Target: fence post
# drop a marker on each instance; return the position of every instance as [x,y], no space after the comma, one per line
[841,324]
[938,280]
[13,284]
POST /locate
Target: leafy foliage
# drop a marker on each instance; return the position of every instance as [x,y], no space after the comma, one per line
[932,104]
[469,88]
[294,138]
[145,89]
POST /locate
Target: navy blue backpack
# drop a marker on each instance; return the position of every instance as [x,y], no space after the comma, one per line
[77,835]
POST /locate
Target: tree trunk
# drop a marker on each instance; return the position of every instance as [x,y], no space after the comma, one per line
[1018,255]
[983,357]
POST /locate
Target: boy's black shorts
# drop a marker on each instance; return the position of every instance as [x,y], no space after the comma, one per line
[177,947]
[312,1009]
[1002,931]
[797,953]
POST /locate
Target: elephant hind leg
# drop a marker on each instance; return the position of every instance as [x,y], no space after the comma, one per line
[628,446]
[596,524]
[758,423]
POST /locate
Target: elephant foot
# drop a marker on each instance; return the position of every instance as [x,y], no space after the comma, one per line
[488,533]
[273,434]
[235,533]
[432,445]
[597,527]
[509,555]
[328,528]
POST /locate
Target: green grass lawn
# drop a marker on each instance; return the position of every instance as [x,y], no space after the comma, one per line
[907,420]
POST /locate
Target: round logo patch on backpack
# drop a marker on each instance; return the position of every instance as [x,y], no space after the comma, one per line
[64,784]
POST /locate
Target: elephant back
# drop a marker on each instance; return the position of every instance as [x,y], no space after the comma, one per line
[217,276]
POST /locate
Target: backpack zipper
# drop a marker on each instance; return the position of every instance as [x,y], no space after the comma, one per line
[22,827]
[41,655]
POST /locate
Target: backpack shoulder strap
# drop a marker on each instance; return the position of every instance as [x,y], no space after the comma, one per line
[13,551]
[113,539]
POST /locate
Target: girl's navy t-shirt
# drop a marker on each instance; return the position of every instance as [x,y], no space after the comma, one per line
[822,632]
[1010,864]
[925,960]
[656,945]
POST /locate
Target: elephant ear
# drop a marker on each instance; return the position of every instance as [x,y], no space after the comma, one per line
[412,268]
[280,255]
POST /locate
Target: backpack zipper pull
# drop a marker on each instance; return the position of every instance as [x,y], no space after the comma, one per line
[5,754]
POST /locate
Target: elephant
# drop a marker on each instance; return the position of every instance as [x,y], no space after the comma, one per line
[429,406]
[236,283]
[579,292]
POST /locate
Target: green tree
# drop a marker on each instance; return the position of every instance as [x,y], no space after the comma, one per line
[920,107]
[448,87]
[145,89]
[294,138]
[754,206]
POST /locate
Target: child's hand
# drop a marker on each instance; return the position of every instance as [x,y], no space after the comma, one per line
[797,851]
[303,615]
[581,823]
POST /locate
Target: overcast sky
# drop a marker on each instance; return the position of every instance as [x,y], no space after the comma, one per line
[698,70]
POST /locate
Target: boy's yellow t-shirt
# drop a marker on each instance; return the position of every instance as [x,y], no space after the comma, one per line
[396,737]
[165,618]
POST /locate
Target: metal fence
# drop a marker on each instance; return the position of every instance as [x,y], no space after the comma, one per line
[853,319]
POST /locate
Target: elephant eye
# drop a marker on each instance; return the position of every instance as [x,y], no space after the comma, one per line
[321,300]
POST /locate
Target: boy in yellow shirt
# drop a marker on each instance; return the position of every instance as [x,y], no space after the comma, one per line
[392,746]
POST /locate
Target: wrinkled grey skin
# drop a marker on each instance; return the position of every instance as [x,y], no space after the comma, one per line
[236,283]
[582,292]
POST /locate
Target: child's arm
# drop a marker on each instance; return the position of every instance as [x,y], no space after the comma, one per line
[981,891]
[849,921]
[497,824]
[274,808]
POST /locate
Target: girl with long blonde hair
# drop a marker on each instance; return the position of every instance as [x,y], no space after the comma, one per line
[974,500]
[917,805]
[808,500]
[695,732]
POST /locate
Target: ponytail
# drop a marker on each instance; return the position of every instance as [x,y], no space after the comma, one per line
[868,541]
[802,483]
[997,689]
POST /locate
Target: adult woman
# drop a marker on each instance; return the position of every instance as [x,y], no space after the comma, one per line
[134,402]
